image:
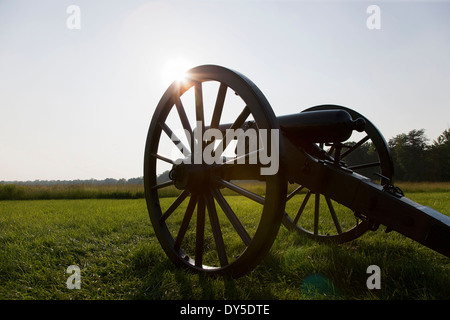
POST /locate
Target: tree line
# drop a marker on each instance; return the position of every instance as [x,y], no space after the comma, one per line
[416,159]
[93,182]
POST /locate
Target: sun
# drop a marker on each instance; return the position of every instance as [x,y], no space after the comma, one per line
[175,69]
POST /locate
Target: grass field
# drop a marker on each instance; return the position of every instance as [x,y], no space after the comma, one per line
[113,243]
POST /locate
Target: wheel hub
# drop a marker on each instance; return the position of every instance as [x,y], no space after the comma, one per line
[194,177]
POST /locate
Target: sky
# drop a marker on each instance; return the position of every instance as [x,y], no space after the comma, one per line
[77,103]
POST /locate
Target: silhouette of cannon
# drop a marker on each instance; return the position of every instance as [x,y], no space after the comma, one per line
[227,210]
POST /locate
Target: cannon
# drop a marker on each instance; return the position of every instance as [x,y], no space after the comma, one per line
[232,162]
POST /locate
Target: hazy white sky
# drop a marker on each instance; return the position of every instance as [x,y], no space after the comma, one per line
[77,103]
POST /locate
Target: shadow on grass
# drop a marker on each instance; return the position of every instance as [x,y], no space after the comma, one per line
[160,279]
[408,270]
[303,270]
[297,268]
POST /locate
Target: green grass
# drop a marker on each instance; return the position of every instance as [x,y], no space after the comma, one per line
[113,243]
[414,187]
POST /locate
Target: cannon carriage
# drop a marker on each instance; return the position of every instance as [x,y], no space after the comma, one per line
[230,140]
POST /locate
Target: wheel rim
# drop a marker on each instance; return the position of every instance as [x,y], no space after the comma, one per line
[323,219]
[201,228]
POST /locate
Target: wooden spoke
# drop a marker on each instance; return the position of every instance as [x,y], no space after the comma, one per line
[293,193]
[185,223]
[184,120]
[243,159]
[200,118]
[240,190]
[163,185]
[215,226]
[200,232]
[316,214]
[330,151]
[354,147]
[162,158]
[199,114]
[174,138]
[174,206]
[241,118]
[229,134]
[231,216]
[365,166]
[302,207]
[333,215]
[219,106]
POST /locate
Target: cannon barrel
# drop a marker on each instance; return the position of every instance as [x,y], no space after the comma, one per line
[314,126]
[321,126]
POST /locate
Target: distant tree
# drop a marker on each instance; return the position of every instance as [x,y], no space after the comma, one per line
[139,180]
[109,181]
[440,157]
[409,152]
[163,177]
[366,153]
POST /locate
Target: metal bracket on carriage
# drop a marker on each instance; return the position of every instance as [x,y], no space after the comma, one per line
[373,226]
[390,188]
[395,191]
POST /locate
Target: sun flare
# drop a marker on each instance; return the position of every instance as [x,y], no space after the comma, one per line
[175,69]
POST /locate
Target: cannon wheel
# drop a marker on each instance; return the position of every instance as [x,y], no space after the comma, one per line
[239,232]
[302,212]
